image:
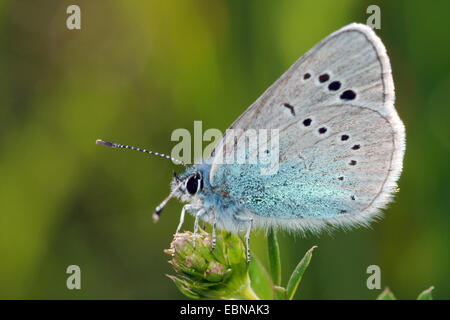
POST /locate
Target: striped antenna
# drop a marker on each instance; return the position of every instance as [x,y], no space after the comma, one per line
[118,145]
[161,206]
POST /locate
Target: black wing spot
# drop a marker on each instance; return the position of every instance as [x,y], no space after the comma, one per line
[324,77]
[348,95]
[287,105]
[335,85]
[322,130]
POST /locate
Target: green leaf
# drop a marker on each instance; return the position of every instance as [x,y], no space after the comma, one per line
[426,295]
[260,279]
[297,275]
[386,295]
[274,257]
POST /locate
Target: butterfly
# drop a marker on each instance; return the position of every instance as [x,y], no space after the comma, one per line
[339,151]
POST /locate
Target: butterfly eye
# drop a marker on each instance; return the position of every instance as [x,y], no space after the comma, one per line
[194,184]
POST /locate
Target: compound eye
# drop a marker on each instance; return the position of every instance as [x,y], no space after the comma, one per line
[192,185]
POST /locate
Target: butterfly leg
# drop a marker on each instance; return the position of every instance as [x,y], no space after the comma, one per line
[183,211]
[247,238]
[247,235]
[213,246]
[197,217]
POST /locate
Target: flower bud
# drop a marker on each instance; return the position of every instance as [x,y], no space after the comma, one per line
[206,274]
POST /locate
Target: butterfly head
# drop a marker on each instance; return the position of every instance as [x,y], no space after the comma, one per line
[188,185]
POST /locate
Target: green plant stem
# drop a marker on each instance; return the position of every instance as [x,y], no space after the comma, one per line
[248,293]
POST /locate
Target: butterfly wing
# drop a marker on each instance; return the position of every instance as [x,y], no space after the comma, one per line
[341,142]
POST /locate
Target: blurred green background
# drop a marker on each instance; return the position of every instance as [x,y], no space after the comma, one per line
[136,71]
